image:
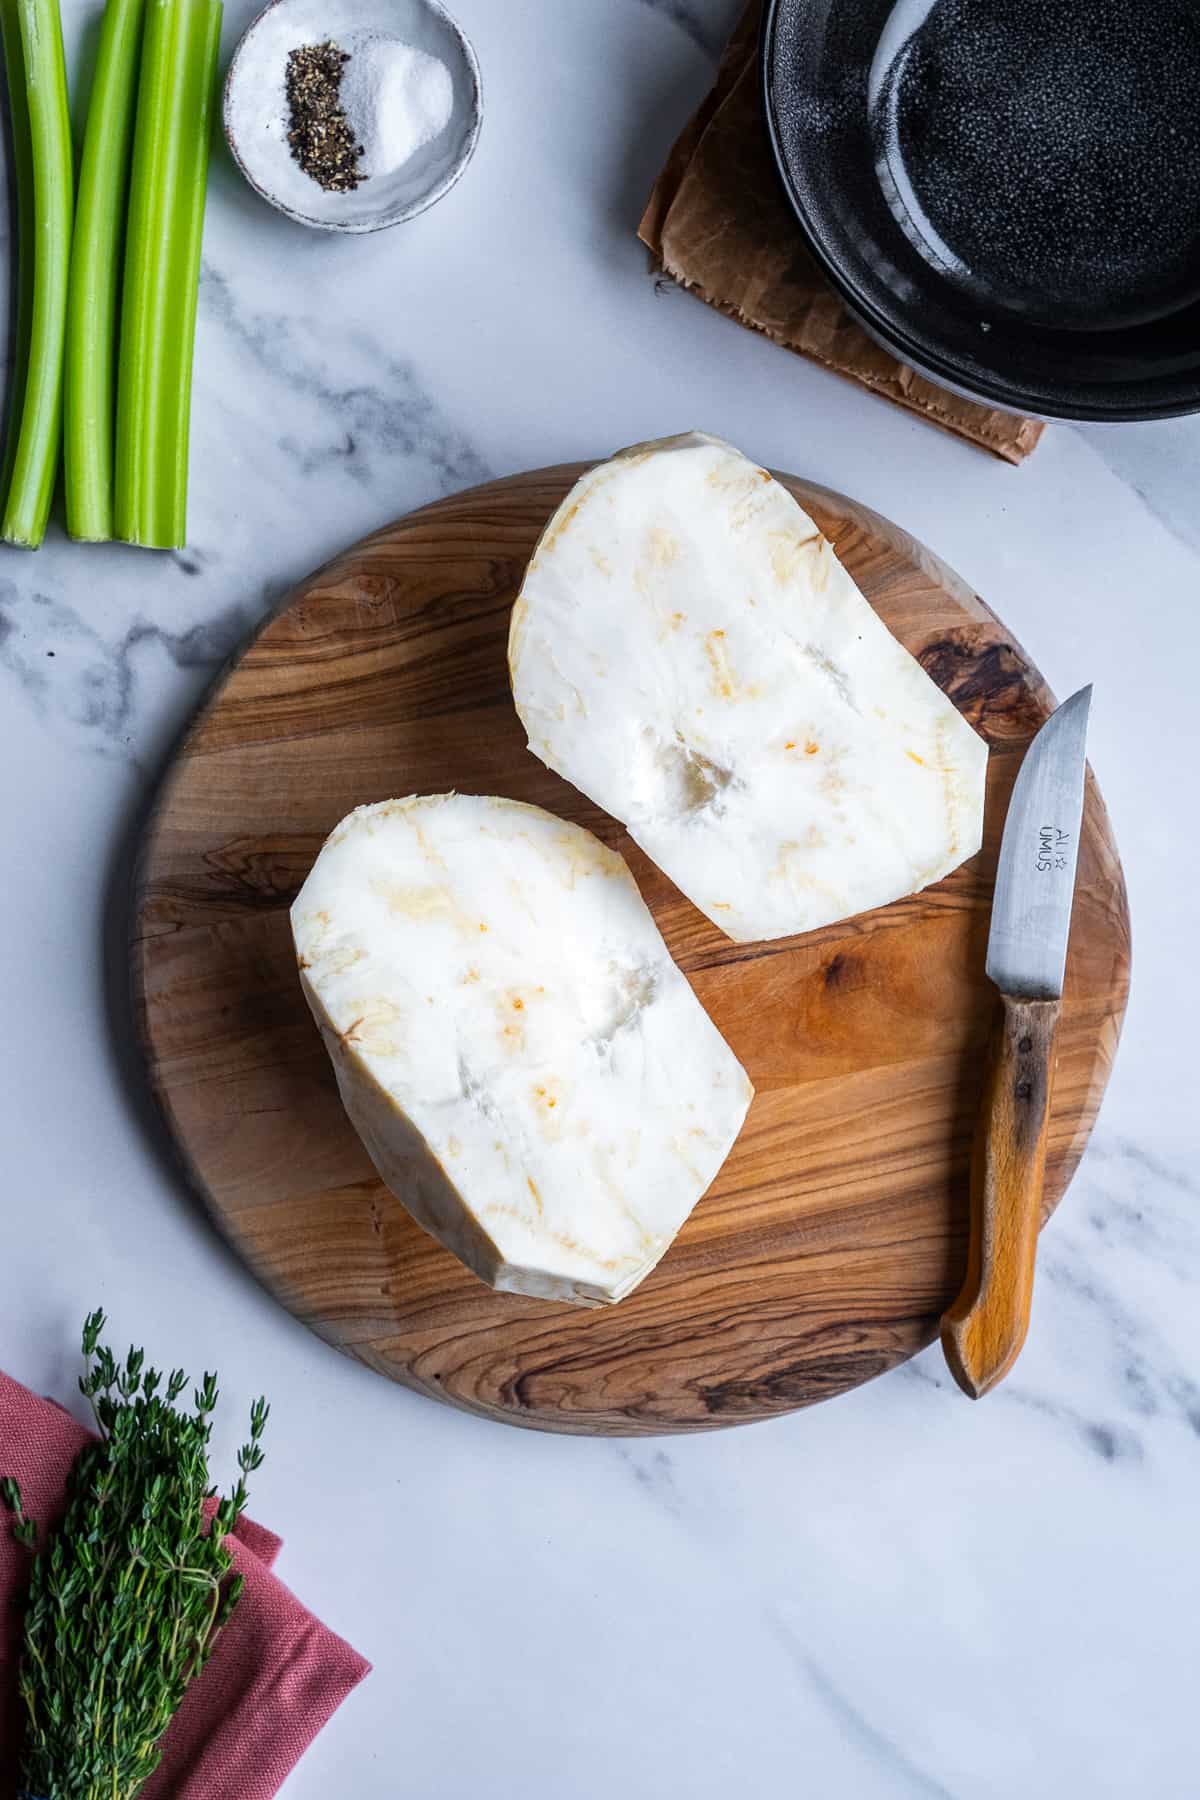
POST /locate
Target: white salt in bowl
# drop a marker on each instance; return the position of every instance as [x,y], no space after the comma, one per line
[256,108]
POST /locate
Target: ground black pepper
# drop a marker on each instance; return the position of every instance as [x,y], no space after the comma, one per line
[319,133]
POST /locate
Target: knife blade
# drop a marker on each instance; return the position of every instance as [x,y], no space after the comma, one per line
[982,1333]
[1035,877]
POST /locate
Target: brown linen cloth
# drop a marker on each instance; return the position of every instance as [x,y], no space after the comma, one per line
[718,221]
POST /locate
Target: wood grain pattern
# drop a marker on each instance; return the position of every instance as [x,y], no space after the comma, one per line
[982,1333]
[834,1237]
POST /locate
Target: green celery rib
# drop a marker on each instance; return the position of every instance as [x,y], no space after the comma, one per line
[185,270]
[141,296]
[47,244]
[89,417]
[162,270]
[22,239]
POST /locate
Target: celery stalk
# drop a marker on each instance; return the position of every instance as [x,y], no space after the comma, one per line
[162,270]
[46,243]
[22,236]
[89,417]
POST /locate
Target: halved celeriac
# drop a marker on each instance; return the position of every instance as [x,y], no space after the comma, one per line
[689,652]
[531,1074]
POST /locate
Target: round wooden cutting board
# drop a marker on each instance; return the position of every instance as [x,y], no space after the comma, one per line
[835,1234]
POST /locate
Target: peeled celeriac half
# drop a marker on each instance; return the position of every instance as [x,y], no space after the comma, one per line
[690,653]
[532,1075]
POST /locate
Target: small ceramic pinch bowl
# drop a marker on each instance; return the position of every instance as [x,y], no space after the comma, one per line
[257,119]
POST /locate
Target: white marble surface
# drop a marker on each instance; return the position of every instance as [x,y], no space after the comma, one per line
[893,1595]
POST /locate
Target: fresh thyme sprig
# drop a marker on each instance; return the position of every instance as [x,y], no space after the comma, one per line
[127,1597]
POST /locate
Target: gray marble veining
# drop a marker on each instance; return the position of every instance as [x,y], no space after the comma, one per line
[902,1775]
[84,685]
[1161,463]
[707,22]
[375,412]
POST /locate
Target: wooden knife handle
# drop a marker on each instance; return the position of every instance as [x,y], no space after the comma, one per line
[983,1331]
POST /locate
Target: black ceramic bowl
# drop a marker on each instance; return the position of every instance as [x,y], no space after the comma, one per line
[1006,192]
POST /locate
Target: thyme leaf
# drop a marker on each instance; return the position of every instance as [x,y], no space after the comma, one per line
[128,1594]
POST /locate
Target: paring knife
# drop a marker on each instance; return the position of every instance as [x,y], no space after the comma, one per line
[983,1331]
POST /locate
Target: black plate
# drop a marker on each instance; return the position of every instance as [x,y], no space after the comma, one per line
[1006,192]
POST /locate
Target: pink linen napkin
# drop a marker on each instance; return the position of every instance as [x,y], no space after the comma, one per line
[277,1674]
